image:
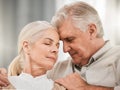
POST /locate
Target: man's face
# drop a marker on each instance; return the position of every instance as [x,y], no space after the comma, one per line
[76,42]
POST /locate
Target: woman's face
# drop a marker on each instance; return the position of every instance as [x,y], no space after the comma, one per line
[44,51]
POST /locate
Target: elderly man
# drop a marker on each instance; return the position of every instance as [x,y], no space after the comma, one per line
[94,62]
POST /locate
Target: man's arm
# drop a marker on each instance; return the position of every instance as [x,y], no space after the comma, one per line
[3,78]
[74,82]
[92,87]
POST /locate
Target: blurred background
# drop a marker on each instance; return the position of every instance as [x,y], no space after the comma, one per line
[15,14]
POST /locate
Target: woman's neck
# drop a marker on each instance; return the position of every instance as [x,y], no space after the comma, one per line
[37,71]
[33,68]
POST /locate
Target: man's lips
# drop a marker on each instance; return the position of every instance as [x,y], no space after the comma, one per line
[72,53]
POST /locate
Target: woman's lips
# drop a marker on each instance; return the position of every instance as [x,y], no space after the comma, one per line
[53,58]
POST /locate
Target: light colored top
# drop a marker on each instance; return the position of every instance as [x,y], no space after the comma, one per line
[27,82]
[103,71]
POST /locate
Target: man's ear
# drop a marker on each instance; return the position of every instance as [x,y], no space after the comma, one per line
[26,47]
[92,30]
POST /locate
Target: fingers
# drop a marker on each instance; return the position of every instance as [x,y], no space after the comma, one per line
[76,75]
[72,81]
[60,81]
[3,71]
[3,77]
[66,81]
[3,81]
[2,84]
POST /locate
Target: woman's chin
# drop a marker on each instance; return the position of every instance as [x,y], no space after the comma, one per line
[50,66]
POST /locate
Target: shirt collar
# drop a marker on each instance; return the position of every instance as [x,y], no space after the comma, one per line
[102,51]
[98,54]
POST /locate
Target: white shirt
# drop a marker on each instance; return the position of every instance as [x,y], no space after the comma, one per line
[27,82]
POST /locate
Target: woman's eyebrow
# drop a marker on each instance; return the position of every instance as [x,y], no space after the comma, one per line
[49,39]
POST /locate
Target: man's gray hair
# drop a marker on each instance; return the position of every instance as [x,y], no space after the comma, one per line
[81,14]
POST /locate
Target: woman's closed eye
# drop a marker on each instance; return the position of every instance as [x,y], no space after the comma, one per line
[47,43]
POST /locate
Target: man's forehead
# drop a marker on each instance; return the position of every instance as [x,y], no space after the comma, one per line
[64,35]
[66,29]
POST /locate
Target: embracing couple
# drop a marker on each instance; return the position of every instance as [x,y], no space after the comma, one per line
[94,63]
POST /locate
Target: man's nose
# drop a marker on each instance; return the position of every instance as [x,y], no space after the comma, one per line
[66,47]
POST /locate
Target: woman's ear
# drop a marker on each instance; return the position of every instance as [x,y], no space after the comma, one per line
[92,30]
[26,47]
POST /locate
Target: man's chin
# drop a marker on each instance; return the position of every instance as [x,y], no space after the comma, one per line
[75,61]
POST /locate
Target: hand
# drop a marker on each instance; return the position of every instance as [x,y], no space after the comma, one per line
[75,82]
[72,82]
[3,78]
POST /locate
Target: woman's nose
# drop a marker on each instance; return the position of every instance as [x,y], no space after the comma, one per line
[54,49]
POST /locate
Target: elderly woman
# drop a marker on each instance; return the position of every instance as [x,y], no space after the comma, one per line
[37,53]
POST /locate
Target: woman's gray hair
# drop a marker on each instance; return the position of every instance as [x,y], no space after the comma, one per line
[32,31]
[81,14]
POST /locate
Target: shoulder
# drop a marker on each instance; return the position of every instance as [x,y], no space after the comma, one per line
[65,62]
[115,48]
[60,69]
[113,53]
